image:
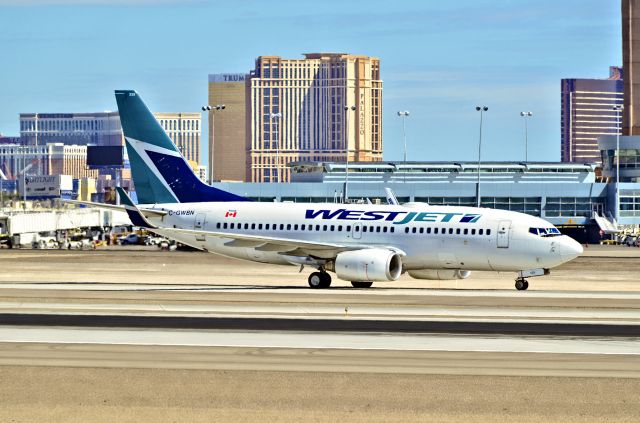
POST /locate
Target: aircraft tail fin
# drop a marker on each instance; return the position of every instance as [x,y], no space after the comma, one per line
[160,172]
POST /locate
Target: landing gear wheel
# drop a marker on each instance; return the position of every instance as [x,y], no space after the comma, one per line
[326,280]
[521,284]
[361,284]
[318,280]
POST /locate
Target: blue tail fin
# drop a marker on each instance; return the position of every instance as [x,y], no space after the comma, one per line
[160,172]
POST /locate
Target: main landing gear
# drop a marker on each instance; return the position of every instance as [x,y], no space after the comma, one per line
[522,284]
[319,280]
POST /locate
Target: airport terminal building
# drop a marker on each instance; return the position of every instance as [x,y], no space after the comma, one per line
[576,197]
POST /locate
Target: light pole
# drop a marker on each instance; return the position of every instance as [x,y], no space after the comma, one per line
[275,117]
[212,116]
[526,115]
[618,109]
[2,178]
[347,109]
[480,109]
[404,114]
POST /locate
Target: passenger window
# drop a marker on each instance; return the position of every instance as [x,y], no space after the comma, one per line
[428,230]
[253,226]
[458,231]
[421,230]
[218,225]
[289,226]
[384,229]
[260,226]
[349,229]
[413,230]
[225,225]
[393,229]
[317,227]
[302,227]
[324,228]
[466,231]
[364,229]
[488,231]
[295,227]
[435,231]
[266,226]
[473,231]
[339,228]
[479,231]
[450,231]
[232,225]
[282,227]
[406,230]
[378,229]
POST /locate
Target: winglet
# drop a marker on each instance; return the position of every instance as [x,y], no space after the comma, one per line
[137,218]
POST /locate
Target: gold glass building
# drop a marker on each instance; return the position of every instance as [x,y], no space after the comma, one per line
[307,109]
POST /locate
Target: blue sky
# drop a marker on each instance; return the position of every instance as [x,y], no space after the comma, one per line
[439,59]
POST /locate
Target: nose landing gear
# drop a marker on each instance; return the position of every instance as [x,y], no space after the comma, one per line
[522,284]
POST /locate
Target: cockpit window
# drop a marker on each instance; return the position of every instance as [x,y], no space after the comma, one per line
[544,232]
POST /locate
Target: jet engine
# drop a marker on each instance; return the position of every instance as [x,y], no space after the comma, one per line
[439,274]
[368,265]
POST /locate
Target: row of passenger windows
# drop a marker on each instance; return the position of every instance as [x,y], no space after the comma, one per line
[450,231]
[347,228]
[303,227]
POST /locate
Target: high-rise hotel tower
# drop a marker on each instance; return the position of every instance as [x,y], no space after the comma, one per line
[311,109]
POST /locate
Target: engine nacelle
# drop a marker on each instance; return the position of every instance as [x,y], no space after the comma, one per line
[439,274]
[368,265]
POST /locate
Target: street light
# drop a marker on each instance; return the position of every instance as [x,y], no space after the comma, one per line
[618,109]
[346,147]
[404,115]
[275,117]
[212,116]
[2,178]
[480,109]
[526,115]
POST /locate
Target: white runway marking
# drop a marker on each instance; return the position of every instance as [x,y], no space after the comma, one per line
[379,291]
[306,340]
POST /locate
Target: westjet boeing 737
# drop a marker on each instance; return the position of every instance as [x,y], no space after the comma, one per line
[360,243]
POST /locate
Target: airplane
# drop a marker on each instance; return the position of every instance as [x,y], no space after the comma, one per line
[359,243]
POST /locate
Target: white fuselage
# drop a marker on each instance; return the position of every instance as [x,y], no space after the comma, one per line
[432,237]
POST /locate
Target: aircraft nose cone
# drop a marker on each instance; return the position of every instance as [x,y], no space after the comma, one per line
[570,249]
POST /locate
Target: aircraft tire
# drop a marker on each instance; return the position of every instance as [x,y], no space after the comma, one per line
[316,280]
[326,280]
[521,284]
[360,284]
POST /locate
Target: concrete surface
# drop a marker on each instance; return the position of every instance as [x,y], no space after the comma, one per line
[72,375]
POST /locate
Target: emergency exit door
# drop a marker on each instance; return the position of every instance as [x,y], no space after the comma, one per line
[504,227]
[198,225]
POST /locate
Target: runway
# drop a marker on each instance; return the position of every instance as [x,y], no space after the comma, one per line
[158,335]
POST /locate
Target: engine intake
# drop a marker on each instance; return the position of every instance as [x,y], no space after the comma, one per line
[368,265]
[439,274]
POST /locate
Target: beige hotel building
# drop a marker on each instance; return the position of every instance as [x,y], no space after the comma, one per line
[289,110]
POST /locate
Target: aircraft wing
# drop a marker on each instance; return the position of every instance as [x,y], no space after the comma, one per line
[264,243]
